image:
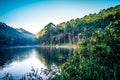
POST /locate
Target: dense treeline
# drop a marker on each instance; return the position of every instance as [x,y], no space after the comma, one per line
[97,58]
[12,37]
[72,31]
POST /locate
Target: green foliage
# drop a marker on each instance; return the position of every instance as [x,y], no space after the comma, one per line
[68,32]
[98,58]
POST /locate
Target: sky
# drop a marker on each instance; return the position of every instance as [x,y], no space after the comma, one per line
[33,15]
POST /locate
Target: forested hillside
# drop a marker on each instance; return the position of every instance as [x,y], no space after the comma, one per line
[98,53]
[12,37]
[75,29]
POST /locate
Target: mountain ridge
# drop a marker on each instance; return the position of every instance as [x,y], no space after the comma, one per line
[11,37]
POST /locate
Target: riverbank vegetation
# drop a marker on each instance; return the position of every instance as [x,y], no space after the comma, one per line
[98,56]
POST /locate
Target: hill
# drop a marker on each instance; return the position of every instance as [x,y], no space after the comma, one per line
[75,29]
[14,37]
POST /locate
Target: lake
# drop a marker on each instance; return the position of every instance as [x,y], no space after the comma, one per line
[20,60]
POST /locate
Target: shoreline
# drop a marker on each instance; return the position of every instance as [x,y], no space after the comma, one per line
[69,46]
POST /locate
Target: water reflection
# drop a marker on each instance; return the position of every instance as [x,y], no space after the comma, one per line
[8,55]
[52,56]
[19,61]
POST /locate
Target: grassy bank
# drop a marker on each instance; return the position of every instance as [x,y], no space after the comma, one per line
[66,45]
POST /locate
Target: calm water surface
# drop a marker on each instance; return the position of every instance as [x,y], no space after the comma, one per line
[20,60]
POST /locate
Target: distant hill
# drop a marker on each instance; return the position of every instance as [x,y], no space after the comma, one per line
[13,37]
[24,31]
[75,29]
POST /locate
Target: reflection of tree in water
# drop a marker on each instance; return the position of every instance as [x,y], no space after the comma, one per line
[9,55]
[55,56]
[48,56]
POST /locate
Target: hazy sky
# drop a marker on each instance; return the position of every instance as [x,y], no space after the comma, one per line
[33,15]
